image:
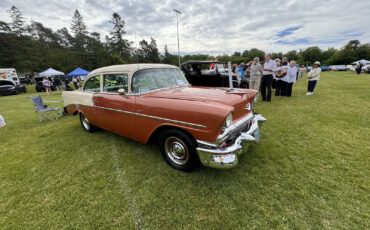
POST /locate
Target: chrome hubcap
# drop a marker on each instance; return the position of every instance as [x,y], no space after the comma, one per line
[176,150]
[85,122]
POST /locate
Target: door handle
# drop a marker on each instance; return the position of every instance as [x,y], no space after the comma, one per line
[98,96]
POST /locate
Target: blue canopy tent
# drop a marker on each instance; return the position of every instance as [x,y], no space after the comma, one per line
[78,72]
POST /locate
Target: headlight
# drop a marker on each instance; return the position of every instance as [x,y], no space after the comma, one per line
[229,120]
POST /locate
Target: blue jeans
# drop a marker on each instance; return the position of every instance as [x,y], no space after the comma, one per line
[311,85]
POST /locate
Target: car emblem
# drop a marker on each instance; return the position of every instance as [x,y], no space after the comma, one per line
[248,106]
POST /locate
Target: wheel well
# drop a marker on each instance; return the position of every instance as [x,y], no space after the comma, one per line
[75,113]
[154,136]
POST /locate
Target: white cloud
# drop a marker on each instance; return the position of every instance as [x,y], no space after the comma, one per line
[214,26]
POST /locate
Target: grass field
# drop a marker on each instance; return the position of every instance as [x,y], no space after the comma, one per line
[310,170]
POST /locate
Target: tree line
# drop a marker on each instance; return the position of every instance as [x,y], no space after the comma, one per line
[33,48]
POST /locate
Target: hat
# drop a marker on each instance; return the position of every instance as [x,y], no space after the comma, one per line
[317,63]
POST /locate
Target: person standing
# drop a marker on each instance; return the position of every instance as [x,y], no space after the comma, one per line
[282,79]
[292,77]
[277,64]
[47,85]
[302,70]
[255,74]
[266,82]
[75,82]
[57,84]
[313,77]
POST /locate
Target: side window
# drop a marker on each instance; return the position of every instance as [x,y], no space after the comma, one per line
[93,84]
[114,82]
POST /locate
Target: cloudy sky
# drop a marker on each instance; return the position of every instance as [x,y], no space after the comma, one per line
[214,27]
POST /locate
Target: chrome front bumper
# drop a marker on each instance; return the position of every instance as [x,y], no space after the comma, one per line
[211,155]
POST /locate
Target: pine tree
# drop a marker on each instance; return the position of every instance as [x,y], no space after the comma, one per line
[119,45]
[166,57]
[17,24]
[80,33]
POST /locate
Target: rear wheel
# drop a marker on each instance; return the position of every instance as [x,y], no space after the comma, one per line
[178,149]
[85,123]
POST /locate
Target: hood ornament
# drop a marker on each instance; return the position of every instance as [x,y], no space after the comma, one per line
[235,91]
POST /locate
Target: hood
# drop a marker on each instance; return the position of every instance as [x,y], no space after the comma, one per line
[236,100]
[204,94]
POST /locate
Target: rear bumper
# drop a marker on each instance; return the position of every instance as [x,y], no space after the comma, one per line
[211,155]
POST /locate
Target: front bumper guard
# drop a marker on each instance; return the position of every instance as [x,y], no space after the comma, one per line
[210,155]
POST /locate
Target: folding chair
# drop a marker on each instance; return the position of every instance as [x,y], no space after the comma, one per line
[42,110]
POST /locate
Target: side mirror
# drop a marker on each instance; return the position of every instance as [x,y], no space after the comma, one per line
[122,92]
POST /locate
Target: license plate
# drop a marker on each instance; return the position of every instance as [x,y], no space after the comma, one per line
[257,134]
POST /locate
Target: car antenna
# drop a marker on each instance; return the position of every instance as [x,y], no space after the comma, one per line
[137,54]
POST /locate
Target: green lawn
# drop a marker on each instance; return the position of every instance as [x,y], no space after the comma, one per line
[310,170]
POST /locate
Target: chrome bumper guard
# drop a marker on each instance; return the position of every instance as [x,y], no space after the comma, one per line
[211,155]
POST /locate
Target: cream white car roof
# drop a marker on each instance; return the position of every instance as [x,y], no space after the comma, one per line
[129,68]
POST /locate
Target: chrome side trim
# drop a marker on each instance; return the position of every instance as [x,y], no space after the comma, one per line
[148,116]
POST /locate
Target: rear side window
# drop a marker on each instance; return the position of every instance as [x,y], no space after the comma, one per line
[114,82]
[93,84]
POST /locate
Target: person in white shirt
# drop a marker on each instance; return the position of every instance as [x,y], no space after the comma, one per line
[266,82]
[277,64]
[313,77]
[282,79]
[292,77]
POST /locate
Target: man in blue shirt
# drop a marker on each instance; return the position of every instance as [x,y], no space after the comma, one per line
[241,70]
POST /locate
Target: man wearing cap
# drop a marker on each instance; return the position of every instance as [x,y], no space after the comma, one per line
[313,77]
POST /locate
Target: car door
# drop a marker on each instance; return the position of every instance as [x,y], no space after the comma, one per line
[116,111]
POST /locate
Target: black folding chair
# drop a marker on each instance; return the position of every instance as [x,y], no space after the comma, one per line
[43,111]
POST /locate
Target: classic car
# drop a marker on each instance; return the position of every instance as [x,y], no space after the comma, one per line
[155,102]
[209,73]
[11,88]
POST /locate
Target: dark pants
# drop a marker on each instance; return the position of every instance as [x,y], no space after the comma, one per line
[266,82]
[289,89]
[274,84]
[311,85]
[281,88]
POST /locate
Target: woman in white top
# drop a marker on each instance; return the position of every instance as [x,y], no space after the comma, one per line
[292,77]
[282,79]
[313,77]
[255,74]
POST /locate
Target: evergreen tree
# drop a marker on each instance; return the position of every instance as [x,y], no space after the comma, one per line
[166,56]
[17,25]
[79,30]
[118,44]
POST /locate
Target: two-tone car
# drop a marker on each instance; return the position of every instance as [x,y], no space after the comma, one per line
[155,102]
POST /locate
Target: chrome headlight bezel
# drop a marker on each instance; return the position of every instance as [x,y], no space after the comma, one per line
[229,120]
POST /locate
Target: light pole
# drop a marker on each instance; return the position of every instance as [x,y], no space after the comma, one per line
[178,38]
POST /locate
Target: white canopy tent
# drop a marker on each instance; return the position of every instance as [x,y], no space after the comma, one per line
[363,61]
[51,72]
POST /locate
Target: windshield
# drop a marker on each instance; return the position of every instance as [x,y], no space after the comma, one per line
[151,79]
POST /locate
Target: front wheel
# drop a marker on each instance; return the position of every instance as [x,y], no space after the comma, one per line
[178,149]
[85,123]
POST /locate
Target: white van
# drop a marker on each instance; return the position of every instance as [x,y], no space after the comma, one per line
[9,74]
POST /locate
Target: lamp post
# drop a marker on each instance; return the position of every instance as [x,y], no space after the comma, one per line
[178,38]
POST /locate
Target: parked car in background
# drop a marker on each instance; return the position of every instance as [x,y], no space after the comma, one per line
[366,69]
[155,102]
[342,68]
[324,68]
[209,73]
[8,87]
